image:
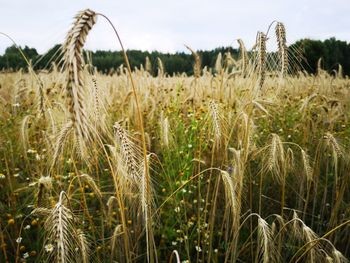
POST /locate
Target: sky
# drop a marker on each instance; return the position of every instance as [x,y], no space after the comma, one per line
[166,26]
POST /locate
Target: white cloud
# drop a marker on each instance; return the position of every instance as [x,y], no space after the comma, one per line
[167,25]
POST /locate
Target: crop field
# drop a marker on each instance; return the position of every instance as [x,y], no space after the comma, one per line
[244,162]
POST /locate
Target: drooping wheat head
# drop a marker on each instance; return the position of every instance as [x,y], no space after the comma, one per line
[229,62]
[266,249]
[60,141]
[230,192]
[62,234]
[197,63]
[73,62]
[282,48]
[276,158]
[129,155]
[84,246]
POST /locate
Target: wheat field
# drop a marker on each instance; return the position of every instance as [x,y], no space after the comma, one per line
[244,162]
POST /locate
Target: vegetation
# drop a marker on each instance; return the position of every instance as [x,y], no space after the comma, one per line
[333,54]
[245,161]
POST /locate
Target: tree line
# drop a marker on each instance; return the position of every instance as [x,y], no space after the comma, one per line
[333,53]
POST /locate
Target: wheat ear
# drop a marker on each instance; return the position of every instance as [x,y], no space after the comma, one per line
[164,130]
[306,164]
[60,142]
[218,64]
[84,246]
[197,62]
[129,155]
[261,44]
[160,67]
[276,157]
[60,230]
[266,249]
[216,122]
[148,65]
[73,61]
[282,48]
[244,57]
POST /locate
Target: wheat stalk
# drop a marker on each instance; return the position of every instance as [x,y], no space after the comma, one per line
[197,63]
[60,141]
[319,66]
[230,193]
[261,45]
[216,122]
[230,62]
[306,164]
[129,154]
[84,246]
[60,230]
[340,73]
[244,57]
[148,65]
[266,250]
[24,132]
[42,211]
[147,203]
[165,130]
[276,158]
[218,64]
[338,256]
[334,145]
[73,61]
[290,159]
[96,100]
[282,48]
[160,67]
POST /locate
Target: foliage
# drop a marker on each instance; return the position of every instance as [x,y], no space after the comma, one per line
[333,52]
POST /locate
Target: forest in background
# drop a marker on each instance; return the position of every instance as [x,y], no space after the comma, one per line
[332,51]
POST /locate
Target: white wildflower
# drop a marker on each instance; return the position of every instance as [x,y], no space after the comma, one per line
[198,248]
[49,248]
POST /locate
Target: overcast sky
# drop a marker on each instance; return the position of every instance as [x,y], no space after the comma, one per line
[166,25]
